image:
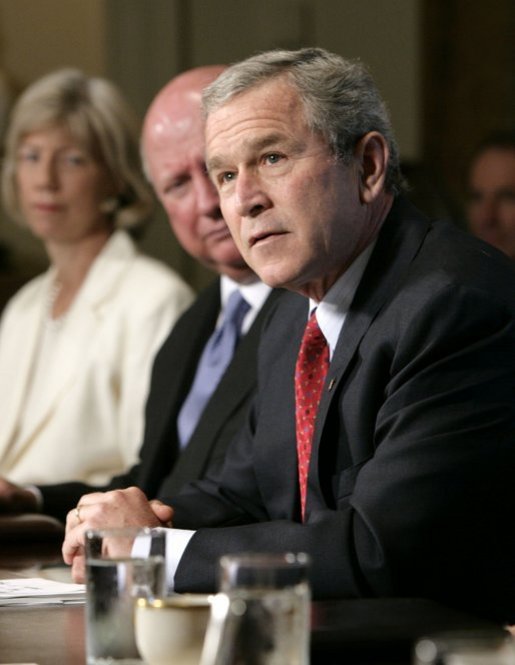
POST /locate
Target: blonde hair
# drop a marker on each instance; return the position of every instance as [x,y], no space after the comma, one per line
[97,116]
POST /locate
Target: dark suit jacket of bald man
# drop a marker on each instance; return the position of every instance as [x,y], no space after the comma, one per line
[163,468]
[411,487]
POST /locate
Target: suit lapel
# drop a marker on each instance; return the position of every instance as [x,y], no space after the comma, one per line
[239,380]
[276,467]
[193,339]
[399,240]
[234,389]
[172,376]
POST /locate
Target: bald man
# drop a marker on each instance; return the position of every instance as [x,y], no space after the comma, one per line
[182,440]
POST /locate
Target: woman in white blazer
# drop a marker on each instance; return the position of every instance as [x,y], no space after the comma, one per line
[77,343]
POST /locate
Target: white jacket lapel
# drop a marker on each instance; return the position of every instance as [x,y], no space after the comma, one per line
[80,328]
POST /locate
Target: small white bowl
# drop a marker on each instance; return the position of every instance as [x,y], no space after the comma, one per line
[170,631]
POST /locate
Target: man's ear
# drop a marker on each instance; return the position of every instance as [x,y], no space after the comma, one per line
[371,154]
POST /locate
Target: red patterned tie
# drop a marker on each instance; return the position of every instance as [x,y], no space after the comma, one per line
[310,373]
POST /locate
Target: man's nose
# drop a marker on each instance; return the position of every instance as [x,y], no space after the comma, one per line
[250,196]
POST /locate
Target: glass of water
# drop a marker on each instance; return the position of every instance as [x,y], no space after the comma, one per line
[262,614]
[122,565]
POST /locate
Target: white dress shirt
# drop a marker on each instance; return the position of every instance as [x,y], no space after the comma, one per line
[255,293]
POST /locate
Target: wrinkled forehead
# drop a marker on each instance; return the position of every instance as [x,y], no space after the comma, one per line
[272,108]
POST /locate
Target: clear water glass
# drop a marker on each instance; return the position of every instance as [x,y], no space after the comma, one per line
[261,615]
[122,565]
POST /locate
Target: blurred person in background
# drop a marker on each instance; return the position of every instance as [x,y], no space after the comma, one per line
[491,192]
[190,417]
[77,342]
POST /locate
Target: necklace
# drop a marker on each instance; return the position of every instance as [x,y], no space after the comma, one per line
[54,323]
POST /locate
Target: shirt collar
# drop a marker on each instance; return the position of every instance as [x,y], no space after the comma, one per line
[332,310]
[255,292]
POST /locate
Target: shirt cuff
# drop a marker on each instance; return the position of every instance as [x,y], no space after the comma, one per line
[176,542]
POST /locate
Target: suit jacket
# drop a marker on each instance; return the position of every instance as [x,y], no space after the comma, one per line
[162,468]
[411,482]
[88,423]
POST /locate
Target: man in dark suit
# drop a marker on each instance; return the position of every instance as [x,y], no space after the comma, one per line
[403,485]
[172,146]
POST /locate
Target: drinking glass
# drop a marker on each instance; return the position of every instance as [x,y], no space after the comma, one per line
[261,616]
[121,566]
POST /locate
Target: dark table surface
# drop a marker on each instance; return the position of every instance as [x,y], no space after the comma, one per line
[379,631]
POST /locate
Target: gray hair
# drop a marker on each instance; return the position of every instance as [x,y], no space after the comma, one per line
[97,116]
[341,100]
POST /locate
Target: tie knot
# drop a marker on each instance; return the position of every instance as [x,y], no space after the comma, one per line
[313,337]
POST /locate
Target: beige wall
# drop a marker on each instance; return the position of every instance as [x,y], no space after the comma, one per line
[383,33]
[37,36]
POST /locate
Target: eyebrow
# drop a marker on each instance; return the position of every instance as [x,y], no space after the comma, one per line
[259,143]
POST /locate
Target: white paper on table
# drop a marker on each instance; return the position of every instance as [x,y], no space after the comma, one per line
[39,591]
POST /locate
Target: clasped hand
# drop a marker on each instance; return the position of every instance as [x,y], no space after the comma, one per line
[103,510]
